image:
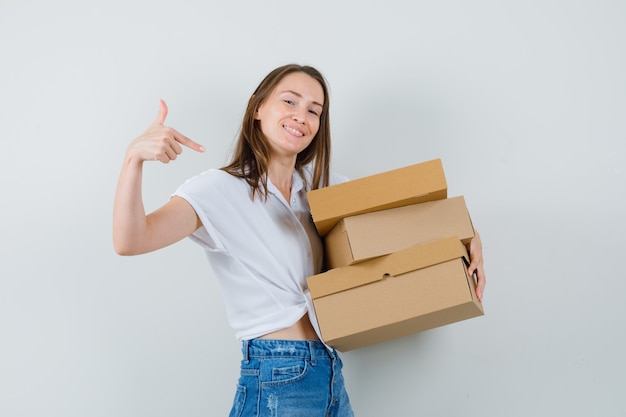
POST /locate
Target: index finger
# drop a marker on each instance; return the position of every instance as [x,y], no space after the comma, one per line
[184,140]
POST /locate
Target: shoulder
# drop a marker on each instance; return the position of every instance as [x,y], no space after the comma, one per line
[213,176]
[212,181]
[336,178]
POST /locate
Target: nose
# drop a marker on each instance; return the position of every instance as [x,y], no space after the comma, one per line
[299,115]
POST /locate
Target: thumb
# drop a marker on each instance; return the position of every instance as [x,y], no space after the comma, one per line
[160,119]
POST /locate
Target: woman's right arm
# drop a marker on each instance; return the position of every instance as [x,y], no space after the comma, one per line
[134,232]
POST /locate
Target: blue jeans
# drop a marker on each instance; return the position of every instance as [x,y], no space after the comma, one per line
[290,378]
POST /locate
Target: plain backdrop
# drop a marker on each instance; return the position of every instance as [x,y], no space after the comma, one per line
[524,102]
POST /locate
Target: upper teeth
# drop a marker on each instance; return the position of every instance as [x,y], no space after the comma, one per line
[294,131]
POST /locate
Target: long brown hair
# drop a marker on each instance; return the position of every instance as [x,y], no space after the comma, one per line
[251,154]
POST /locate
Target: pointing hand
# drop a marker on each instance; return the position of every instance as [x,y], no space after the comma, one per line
[159,142]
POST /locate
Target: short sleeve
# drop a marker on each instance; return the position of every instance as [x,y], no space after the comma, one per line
[203,193]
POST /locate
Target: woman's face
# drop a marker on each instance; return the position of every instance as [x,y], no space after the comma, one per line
[290,116]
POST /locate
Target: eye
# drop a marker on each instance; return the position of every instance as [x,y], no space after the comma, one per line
[314,112]
[289,101]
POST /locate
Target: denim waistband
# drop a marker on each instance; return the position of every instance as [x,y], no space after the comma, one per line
[265,348]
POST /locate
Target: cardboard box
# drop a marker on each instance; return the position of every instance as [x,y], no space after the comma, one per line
[364,236]
[400,187]
[395,295]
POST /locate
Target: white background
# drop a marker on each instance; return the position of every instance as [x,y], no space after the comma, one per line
[524,101]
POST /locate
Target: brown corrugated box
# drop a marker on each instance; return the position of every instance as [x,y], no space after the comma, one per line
[364,236]
[396,188]
[391,296]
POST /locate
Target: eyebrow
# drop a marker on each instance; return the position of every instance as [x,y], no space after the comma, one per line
[300,96]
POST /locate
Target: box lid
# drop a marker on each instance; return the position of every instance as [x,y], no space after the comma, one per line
[397,263]
[396,188]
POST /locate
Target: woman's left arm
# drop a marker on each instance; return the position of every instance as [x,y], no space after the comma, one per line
[475,248]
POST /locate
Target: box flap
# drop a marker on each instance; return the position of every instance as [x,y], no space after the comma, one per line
[341,279]
[422,256]
[416,257]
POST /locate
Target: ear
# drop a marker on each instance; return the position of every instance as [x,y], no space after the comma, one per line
[256,111]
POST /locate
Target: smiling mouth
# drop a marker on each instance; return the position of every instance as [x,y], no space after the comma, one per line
[293,131]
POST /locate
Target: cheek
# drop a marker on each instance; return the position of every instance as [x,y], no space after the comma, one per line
[315,125]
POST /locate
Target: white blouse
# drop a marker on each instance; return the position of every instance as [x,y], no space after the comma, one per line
[261,250]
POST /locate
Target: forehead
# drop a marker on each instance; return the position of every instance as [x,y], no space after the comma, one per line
[302,84]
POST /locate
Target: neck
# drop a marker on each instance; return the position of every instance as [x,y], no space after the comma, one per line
[281,174]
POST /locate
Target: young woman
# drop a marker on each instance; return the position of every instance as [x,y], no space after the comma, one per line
[253,219]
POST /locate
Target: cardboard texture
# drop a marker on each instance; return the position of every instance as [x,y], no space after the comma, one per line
[364,236]
[409,291]
[400,187]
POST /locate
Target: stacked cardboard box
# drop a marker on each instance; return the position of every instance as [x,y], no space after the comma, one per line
[394,247]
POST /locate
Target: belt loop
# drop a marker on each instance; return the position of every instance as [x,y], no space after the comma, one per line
[245,351]
[312,352]
[331,352]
